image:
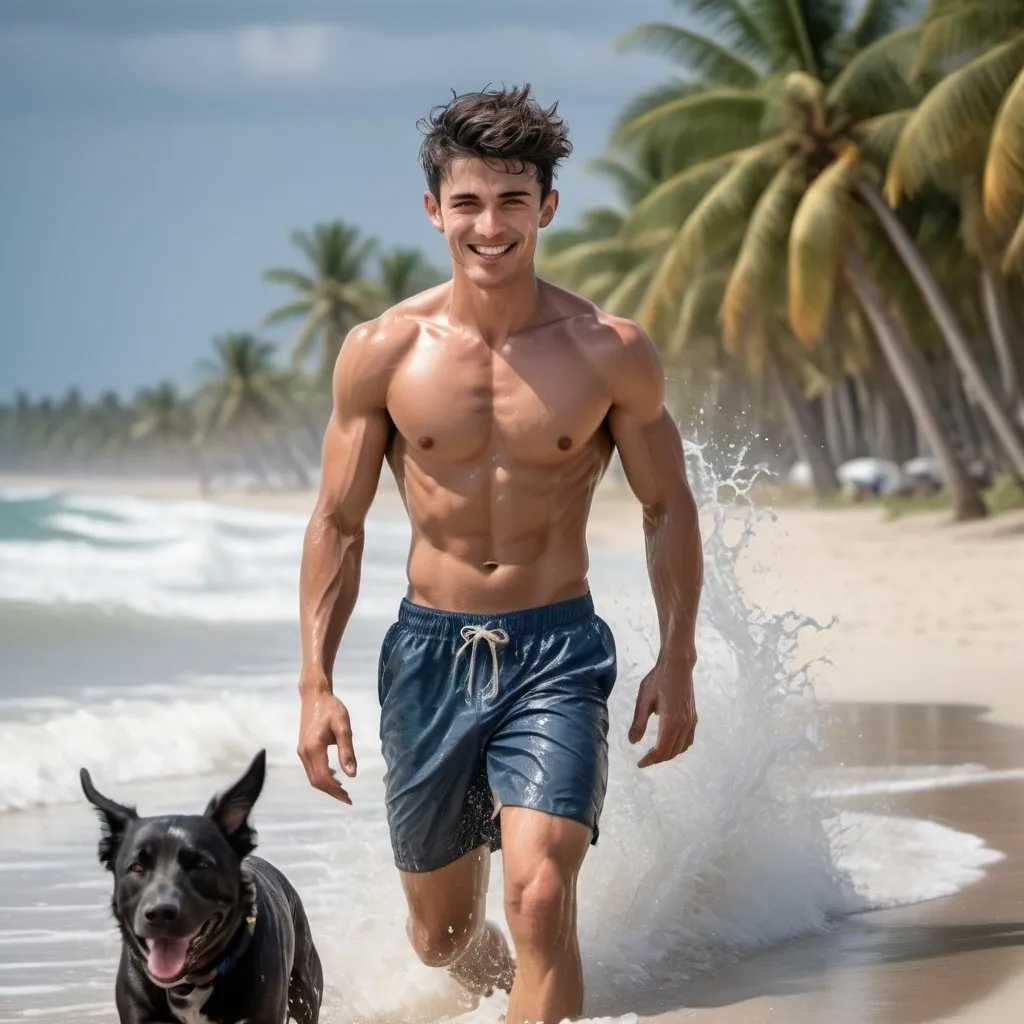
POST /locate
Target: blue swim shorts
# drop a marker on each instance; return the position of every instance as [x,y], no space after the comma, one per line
[484,711]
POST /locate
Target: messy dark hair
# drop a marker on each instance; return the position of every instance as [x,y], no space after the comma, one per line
[506,125]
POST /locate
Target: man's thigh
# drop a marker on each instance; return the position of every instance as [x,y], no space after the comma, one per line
[541,850]
[449,897]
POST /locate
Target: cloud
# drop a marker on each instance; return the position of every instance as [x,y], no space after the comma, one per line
[306,58]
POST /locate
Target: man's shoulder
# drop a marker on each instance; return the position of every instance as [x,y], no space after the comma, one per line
[615,342]
[398,325]
[590,323]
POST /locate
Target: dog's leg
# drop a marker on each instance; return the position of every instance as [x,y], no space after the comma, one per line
[306,984]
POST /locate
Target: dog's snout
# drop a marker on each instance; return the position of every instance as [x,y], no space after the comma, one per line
[163,912]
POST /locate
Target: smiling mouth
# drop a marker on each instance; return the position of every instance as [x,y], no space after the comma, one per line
[492,252]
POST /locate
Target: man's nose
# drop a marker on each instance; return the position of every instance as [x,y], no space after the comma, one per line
[488,224]
[162,911]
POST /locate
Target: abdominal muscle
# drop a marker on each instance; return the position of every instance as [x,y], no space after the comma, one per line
[498,540]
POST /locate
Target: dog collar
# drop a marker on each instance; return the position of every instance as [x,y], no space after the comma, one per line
[236,948]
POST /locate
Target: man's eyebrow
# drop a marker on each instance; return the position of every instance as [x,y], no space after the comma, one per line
[514,194]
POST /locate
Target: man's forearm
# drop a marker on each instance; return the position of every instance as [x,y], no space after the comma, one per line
[328,588]
[675,563]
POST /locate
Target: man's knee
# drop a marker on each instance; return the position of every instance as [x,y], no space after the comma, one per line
[440,941]
[539,904]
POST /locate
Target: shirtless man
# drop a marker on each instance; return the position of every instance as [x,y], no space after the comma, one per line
[496,400]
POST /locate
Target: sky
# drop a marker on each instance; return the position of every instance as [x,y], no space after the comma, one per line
[155,155]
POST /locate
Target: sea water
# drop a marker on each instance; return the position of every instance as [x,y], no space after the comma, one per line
[156,643]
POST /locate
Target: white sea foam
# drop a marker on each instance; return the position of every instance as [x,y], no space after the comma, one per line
[125,741]
[192,560]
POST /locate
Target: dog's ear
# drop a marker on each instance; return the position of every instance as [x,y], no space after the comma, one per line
[114,819]
[230,809]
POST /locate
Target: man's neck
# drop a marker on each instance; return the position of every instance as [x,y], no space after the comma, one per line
[493,313]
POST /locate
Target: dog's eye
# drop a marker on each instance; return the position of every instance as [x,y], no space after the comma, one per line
[136,868]
[192,861]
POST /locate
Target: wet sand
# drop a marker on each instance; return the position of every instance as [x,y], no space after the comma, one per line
[956,958]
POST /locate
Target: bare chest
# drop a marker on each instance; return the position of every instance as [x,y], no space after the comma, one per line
[533,404]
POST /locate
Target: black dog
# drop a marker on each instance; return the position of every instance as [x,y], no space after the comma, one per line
[210,934]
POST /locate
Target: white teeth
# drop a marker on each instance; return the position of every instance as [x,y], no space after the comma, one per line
[492,250]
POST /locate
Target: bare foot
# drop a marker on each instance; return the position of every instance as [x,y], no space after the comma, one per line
[486,965]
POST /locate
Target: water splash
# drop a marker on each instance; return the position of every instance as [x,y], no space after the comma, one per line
[720,852]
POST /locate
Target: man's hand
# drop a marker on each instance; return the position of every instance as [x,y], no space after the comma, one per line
[666,691]
[324,723]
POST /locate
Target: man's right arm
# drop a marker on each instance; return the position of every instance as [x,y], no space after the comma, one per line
[354,446]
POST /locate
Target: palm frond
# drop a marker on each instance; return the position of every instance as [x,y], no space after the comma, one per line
[716,222]
[950,128]
[289,311]
[1013,260]
[786,23]
[624,298]
[699,54]
[963,29]
[675,197]
[877,137]
[757,267]
[876,79]
[283,275]
[733,23]
[1003,187]
[698,312]
[878,18]
[703,108]
[815,247]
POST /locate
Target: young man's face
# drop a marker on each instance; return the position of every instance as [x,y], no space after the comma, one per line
[490,217]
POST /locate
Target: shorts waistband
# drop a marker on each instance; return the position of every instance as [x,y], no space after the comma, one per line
[442,623]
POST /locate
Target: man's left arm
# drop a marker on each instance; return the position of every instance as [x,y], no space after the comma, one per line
[651,452]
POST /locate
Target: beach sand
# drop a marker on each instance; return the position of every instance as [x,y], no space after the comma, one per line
[925,668]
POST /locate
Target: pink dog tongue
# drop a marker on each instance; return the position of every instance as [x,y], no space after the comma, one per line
[167,957]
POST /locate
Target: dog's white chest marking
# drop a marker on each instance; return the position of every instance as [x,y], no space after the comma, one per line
[189,1008]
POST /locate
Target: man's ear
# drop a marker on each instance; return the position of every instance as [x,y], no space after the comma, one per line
[114,819]
[433,208]
[230,809]
[548,208]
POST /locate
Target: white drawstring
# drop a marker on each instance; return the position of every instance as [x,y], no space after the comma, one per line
[495,638]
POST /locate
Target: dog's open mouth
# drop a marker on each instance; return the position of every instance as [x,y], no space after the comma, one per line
[168,958]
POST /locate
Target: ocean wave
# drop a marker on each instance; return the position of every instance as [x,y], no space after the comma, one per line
[138,740]
[190,560]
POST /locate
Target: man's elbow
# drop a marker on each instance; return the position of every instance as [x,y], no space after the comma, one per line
[332,520]
[673,504]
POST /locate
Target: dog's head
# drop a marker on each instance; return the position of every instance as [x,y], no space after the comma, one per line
[178,880]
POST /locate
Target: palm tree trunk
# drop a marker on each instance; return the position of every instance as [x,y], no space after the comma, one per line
[994,307]
[967,503]
[834,437]
[848,419]
[801,425]
[1010,439]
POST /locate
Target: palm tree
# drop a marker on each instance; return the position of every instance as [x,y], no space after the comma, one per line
[966,138]
[163,415]
[164,418]
[334,294]
[971,123]
[246,397]
[823,85]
